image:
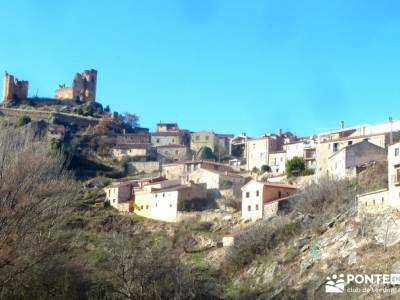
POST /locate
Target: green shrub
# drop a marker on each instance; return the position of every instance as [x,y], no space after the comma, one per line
[22,121]
[295,166]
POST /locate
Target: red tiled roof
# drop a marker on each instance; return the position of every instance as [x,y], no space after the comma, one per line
[279,185]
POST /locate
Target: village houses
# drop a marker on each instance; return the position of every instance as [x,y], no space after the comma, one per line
[156,198]
[263,199]
[331,142]
[381,200]
[350,160]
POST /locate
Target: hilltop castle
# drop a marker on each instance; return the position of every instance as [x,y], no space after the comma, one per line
[14,90]
[83,89]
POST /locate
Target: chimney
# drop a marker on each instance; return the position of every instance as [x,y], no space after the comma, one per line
[341,124]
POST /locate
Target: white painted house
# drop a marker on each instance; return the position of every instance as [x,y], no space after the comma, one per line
[261,199]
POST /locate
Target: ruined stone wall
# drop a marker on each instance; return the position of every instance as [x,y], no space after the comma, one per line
[64,92]
[83,87]
[14,90]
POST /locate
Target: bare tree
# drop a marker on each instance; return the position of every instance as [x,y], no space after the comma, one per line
[36,194]
[131,119]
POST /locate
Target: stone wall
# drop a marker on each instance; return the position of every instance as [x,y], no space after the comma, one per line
[146,167]
[37,115]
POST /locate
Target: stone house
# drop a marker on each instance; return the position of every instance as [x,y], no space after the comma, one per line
[263,199]
[181,170]
[330,142]
[378,201]
[217,180]
[163,200]
[173,153]
[132,150]
[119,195]
[373,202]
[345,162]
[394,175]
[202,139]
[133,138]
[258,150]
[170,134]
[156,198]
[277,162]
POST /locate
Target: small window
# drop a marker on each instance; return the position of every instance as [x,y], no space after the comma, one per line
[173,140]
[163,194]
[141,207]
[383,200]
[249,207]
[158,141]
[207,138]
[257,193]
[170,205]
[373,201]
[256,206]
[280,194]
[247,194]
[396,151]
[147,207]
[176,152]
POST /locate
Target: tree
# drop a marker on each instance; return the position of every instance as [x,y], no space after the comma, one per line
[265,168]
[36,196]
[132,120]
[295,166]
[22,121]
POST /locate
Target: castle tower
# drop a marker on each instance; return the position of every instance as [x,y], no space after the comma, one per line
[14,90]
[84,86]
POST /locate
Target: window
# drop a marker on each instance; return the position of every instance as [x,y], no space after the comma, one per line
[141,206]
[383,200]
[257,193]
[256,206]
[396,151]
[335,147]
[247,194]
[280,194]
[158,141]
[197,138]
[163,194]
[350,143]
[147,207]
[207,137]
[176,152]
[249,208]
[170,205]
[373,201]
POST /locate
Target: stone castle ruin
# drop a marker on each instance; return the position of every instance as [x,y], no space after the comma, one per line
[14,90]
[83,88]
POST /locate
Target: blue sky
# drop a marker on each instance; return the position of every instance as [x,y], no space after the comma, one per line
[225,65]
